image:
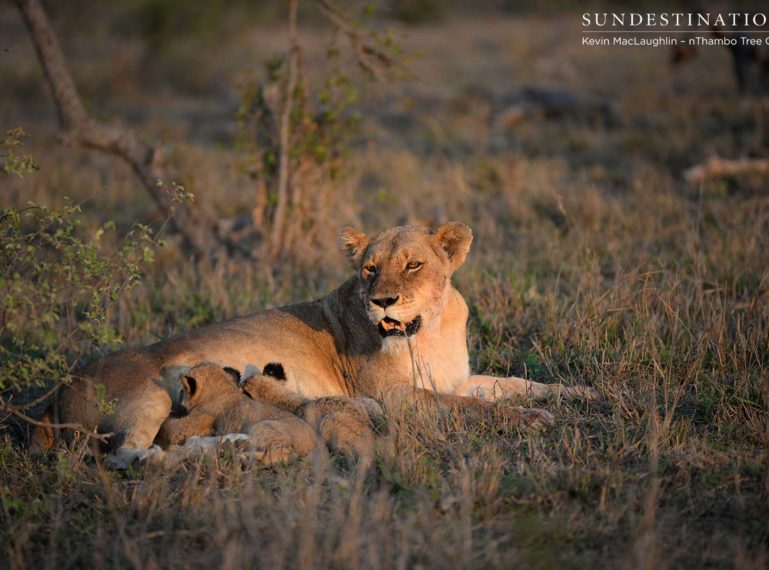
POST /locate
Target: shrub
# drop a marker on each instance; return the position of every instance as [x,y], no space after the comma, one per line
[57,285]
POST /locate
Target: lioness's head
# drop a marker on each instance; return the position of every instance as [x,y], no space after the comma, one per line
[405,273]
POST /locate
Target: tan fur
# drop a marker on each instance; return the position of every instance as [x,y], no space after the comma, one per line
[216,406]
[43,437]
[345,424]
[328,347]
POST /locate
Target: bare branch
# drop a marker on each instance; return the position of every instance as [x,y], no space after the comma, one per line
[370,58]
[9,410]
[80,128]
[284,172]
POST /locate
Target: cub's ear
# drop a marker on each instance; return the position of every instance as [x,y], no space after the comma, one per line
[352,244]
[455,239]
[233,373]
[190,392]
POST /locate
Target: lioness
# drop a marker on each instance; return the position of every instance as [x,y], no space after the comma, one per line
[395,330]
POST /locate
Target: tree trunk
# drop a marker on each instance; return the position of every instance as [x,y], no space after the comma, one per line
[78,127]
[278,234]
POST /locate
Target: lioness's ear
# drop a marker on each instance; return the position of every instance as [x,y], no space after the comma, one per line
[352,244]
[455,239]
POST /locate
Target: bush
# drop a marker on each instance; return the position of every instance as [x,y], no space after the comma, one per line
[57,285]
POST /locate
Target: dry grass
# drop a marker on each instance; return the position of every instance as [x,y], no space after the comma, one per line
[593,263]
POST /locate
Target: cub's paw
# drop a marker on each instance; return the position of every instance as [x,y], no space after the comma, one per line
[211,444]
[234,437]
[237,442]
[375,414]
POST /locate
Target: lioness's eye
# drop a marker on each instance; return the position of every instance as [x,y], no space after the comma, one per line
[413,265]
[371,268]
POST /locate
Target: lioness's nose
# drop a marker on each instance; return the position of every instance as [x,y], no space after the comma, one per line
[385,302]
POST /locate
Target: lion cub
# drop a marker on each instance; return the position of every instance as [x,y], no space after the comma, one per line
[216,406]
[346,425]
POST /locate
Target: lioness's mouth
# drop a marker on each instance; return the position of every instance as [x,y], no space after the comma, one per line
[391,327]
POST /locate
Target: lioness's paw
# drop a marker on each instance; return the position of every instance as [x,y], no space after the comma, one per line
[584,393]
[581,393]
[124,458]
[534,418]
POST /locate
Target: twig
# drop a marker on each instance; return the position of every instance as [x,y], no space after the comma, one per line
[36,401]
[103,437]
[370,58]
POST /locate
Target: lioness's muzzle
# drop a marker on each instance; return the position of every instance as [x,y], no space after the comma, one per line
[391,327]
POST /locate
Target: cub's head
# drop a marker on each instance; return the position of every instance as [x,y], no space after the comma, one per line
[405,273]
[204,381]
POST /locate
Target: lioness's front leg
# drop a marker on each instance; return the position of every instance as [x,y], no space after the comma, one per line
[492,388]
[135,425]
[395,397]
